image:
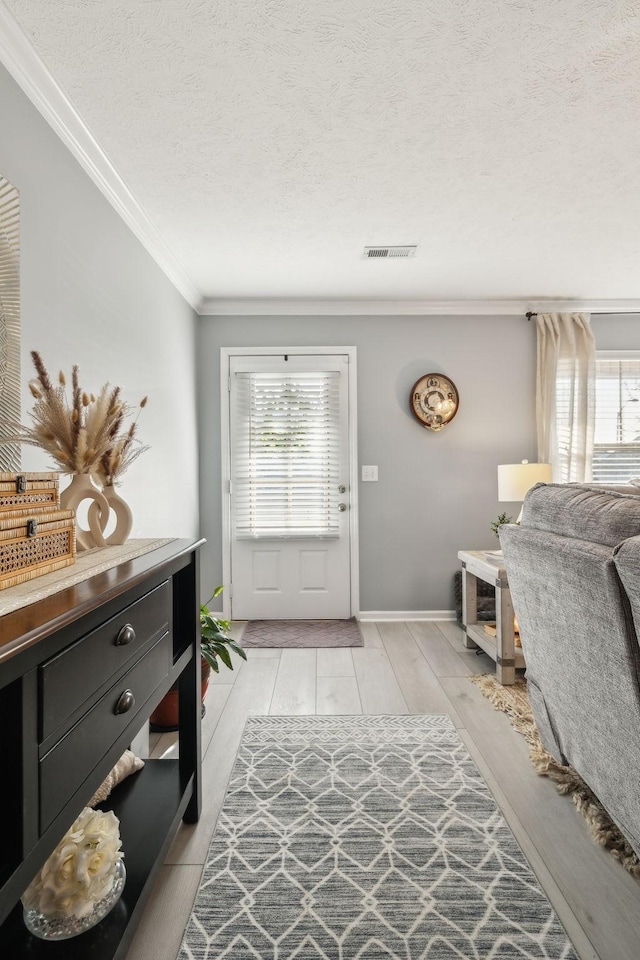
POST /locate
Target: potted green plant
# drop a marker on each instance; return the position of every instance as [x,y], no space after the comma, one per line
[495,526]
[215,644]
[215,647]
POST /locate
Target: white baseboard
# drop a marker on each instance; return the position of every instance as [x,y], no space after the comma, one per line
[406,615]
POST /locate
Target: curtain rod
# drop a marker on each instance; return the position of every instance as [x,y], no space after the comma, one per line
[600,313]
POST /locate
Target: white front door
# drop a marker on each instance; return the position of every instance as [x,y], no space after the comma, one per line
[289,487]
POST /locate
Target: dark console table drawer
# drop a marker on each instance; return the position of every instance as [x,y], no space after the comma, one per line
[68,680]
[67,765]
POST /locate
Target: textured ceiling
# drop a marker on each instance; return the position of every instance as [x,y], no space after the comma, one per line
[270,140]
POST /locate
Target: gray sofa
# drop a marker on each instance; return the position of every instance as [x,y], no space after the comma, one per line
[574,572]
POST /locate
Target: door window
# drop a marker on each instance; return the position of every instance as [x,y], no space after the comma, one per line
[287,456]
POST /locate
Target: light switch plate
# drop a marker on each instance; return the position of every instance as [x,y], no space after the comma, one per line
[369,473]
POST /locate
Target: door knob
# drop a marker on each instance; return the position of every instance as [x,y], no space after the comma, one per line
[342,507]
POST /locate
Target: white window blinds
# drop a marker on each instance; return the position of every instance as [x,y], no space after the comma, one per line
[616,450]
[286,464]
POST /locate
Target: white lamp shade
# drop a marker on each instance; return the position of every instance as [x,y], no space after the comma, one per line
[514,479]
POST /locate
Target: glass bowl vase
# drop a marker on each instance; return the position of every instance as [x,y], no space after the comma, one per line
[63,928]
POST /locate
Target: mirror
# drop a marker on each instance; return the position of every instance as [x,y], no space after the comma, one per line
[9,320]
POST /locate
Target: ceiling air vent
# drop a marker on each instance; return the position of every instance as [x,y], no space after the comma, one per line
[388,252]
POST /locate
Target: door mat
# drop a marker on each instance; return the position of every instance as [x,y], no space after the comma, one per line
[513,701]
[365,838]
[302,633]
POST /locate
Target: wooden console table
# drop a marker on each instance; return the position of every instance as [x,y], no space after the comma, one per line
[501,648]
[66,659]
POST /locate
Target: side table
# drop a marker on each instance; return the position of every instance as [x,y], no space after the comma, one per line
[501,648]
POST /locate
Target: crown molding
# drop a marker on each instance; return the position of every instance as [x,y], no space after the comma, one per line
[309,307]
[586,306]
[27,69]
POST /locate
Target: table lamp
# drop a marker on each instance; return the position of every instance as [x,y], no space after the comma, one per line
[515,479]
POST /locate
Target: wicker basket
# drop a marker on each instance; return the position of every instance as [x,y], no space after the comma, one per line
[28,491]
[31,545]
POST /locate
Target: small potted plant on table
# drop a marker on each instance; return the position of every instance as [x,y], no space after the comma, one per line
[215,646]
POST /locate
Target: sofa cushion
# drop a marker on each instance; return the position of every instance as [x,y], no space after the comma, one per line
[583,512]
[626,557]
[582,657]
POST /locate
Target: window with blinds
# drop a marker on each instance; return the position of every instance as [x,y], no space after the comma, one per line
[287,454]
[616,450]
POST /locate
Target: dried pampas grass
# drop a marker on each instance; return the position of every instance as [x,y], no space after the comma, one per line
[121,454]
[83,434]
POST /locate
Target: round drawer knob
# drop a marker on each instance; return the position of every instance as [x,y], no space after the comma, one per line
[126,700]
[126,635]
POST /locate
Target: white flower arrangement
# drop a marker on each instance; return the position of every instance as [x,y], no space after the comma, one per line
[81,870]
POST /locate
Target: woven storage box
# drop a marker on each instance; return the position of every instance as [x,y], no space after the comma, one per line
[28,491]
[31,545]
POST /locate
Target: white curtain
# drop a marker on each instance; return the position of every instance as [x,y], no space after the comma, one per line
[565,395]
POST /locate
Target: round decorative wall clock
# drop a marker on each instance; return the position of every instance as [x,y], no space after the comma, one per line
[434,400]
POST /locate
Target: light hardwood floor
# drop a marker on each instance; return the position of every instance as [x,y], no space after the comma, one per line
[402,668]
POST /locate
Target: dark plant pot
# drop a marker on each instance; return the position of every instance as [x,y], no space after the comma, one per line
[165,716]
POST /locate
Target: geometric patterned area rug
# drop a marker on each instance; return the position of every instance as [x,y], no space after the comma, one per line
[365,838]
[302,633]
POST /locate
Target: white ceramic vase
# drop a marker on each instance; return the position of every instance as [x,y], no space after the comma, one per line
[80,489]
[122,511]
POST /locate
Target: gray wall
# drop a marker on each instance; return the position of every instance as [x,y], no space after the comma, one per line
[616,332]
[92,295]
[437,492]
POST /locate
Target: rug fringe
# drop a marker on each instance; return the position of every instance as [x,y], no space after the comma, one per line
[513,701]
